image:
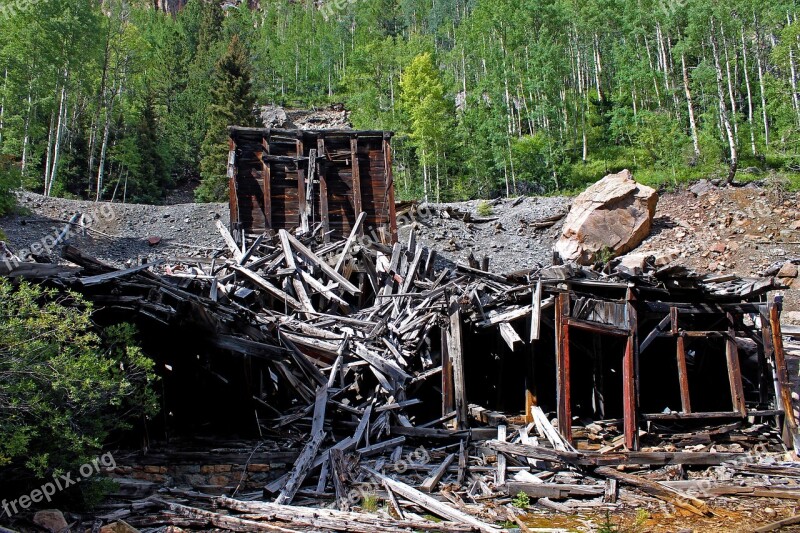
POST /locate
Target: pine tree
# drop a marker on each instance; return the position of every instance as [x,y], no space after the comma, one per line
[232,103]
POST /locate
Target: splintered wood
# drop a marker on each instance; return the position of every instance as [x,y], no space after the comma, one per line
[385,378]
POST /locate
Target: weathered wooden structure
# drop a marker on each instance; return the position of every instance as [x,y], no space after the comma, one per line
[288,179]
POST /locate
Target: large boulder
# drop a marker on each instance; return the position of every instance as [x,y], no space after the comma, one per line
[606,220]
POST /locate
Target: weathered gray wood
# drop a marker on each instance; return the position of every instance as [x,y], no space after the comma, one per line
[455,351]
[311,256]
[431,481]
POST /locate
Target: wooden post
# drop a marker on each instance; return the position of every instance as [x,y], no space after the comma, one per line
[629,388]
[323,188]
[356,171]
[680,354]
[387,161]
[734,371]
[783,385]
[564,407]
[232,193]
[266,176]
[448,399]
[456,352]
[301,189]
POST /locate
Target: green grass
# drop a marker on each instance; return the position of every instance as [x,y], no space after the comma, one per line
[484,209]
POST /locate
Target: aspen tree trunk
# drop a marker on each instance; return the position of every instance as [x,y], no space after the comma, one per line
[598,69]
[425,175]
[3,105]
[749,97]
[690,106]
[49,159]
[734,163]
[62,118]
[653,70]
[730,84]
[763,98]
[26,136]
[795,103]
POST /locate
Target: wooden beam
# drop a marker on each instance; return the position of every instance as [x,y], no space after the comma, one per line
[629,377]
[683,376]
[350,241]
[387,161]
[536,310]
[233,199]
[430,483]
[322,170]
[783,384]
[330,272]
[266,176]
[501,459]
[455,350]
[734,370]
[448,397]
[662,492]
[302,205]
[356,171]
[564,407]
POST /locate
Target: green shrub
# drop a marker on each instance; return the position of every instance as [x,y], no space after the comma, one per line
[10,179]
[63,387]
[484,209]
[521,500]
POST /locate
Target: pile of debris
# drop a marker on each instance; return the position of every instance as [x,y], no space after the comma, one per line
[357,358]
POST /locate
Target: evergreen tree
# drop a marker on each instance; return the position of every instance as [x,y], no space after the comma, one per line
[232,103]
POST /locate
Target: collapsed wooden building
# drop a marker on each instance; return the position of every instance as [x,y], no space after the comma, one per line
[352,351]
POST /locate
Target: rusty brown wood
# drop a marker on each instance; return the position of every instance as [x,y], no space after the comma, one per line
[783,385]
[357,198]
[734,370]
[233,200]
[302,205]
[389,177]
[455,349]
[266,176]
[323,188]
[680,354]
[448,399]
[564,406]
[629,388]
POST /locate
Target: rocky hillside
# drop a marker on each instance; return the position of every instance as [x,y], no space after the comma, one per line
[737,230]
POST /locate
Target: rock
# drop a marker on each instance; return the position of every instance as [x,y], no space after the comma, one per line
[612,217]
[154,241]
[701,188]
[718,247]
[52,520]
[788,270]
[118,527]
[636,260]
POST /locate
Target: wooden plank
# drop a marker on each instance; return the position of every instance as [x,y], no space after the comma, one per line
[783,384]
[509,334]
[563,407]
[630,392]
[501,459]
[350,241]
[653,335]
[431,481]
[432,505]
[456,352]
[389,176]
[322,170]
[448,395]
[779,524]
[357,201]
[233,199]
[230,242]
[117,274]
[683,376]
[269,287]
[536,311]
[309,453]
[667,494]
[734,370]
[556,491]
[266,176]
[302,204]
[330,272]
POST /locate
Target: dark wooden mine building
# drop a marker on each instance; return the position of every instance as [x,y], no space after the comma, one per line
[290,179]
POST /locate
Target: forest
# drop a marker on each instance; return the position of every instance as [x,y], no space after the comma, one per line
[117,100]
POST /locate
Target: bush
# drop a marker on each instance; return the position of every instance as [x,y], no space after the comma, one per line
[10,179]
[63,388]
[484,209]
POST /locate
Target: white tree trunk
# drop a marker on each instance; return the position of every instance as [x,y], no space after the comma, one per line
[723,112]
[794,83]
[730,86]
[3,105]
[26,136]
[749,97]
[763,98]
[62,117]
[49,159]
[690,106]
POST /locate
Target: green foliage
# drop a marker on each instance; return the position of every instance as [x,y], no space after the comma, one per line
[232,103]
[63,388]
[484,209]
[521,500]
[370,503]
[10,179]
